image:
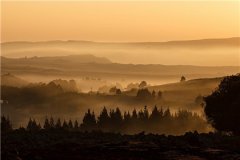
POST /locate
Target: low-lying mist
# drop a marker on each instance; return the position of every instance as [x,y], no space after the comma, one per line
[212,52]
[66,100]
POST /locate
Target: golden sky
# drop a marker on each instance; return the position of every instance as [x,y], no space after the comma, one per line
[119,21]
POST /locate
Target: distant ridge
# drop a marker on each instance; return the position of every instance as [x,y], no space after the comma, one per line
[71,59]
[88,64]
[191,52]
[227,41]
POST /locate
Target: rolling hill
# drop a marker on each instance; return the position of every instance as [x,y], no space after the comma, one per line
[11,80]
[188,90]
[209,52]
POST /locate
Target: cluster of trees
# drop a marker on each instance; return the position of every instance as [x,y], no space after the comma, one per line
[115,90]
[36,93]
[158,121]
[146,94]
[222,107]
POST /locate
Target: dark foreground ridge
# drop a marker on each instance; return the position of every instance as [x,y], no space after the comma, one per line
[62,144]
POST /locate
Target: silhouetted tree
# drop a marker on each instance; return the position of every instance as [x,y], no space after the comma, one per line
[127,117]
[118,91]
[156,115]
[76,125]
[58,124]
[159,94]
[116,119]
[65,125]
[46,124]
[32,125]
[144,93]
[153,94]
[70,124]
[29,125]
[51,123]
[223,105]
[183,79]
[146,113]
[141,115]
[134,114]
[167,115]
[103,119]
[142,119]
[6,125]
[142,85]
[89,121]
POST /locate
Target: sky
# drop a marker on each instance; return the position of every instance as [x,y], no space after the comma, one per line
[118,21]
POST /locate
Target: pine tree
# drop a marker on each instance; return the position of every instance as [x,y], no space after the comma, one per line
[46,124]
[126,120]
[89,121]
[103,120]
[146,113]
[127,116]
[116,120]
[58,124]
[118,116]
[159,94]
[167,115]
[70,124]
[156,115]
[153,94]
[6,125]
[65,125]
[51,123]
[76,124]
[39,126]
[32,125]
[134,114]
[29,125]
[35,127]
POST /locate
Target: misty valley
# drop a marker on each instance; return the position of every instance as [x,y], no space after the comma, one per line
[86,106]
[36,95]
[120,80]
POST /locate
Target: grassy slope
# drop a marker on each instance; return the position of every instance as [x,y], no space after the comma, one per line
[186,92]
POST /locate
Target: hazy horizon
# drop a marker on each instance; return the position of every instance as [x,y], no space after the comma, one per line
[83,40]
[118,21]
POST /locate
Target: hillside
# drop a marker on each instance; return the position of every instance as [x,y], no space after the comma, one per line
[186,92]
[78,65]
[11,80]
[58,60]
[194,84]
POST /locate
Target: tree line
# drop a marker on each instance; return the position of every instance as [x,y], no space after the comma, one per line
[157,121]
[221,109]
